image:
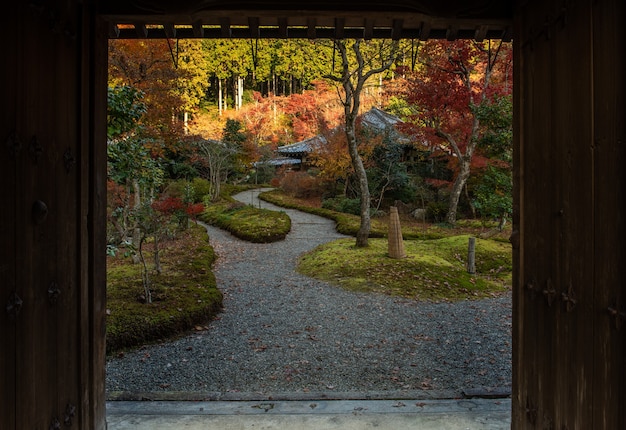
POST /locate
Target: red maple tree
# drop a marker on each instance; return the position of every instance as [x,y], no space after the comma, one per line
[454,79]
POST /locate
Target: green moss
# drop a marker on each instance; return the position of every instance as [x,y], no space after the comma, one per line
[433,269]
[185,294]
[247,222]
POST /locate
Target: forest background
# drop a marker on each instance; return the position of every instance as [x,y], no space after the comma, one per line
[186,116]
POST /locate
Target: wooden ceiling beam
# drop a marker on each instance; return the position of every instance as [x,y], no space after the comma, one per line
[253,25]
[141,30]
[481,33]
[340,25]
[311,23]
[198,29]
[396,29]
[368,30]
[283,27]
[452,33]
[170,30]
[225,27]
[425,30]
[114,31]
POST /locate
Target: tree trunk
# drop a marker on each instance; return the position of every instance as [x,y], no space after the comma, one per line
[157,254]
[359,170]
[136,208]
[457,189]
[219,97]
[351,104]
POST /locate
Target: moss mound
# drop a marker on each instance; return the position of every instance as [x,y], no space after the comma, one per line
[183,295]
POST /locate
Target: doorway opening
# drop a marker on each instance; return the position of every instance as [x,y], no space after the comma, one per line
[383,330]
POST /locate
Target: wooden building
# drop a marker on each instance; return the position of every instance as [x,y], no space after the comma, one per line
[569,328]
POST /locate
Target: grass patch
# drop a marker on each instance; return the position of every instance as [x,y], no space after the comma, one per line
[184,294]
[433,270]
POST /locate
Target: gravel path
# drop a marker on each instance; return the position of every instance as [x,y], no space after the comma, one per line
[281,332]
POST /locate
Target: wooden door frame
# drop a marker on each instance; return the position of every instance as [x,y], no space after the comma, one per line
[92,162]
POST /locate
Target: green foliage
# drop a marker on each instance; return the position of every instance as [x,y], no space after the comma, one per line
[124,110]
[493,194]
[388,176]
[233,132]
[180,168]
[343,204]
[496,117]
[201,188]
[400,107]
[129,159]
[436,211]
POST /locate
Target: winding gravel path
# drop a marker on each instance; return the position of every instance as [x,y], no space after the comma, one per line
[281,332]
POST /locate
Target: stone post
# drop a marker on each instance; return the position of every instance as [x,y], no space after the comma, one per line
[396,245]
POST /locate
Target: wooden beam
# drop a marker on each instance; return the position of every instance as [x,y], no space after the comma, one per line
[311,24]
[170,30]
[481,33]
[507,34]
[198,30]
[225,27]
[368,31]
[340,24]
[141,30]
[114,31]
[396,30]
[425,30]
[452,32]
[253,25]
[282,27]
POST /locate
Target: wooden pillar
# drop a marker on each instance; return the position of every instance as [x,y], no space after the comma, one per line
[53,171]
[471,255]
[568,354]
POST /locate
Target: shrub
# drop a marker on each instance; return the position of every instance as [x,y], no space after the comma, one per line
[343,204]
[436,211]
[201,188]
[300,184]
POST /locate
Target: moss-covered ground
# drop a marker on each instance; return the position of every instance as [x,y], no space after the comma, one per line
[433,269]
[184,295]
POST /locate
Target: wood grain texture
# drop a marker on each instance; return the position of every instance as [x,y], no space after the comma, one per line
[609,155]
[567,360]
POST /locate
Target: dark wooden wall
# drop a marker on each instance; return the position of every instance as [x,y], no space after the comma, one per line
[569,347]
[51,223]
